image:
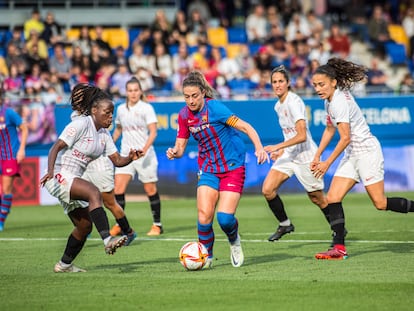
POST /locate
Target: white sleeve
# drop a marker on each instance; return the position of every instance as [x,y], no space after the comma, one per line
[297,109]
[110,147]
[151,117]
[73,131]
[340,110]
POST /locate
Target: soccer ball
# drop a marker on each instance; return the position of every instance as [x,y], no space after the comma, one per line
[193,255]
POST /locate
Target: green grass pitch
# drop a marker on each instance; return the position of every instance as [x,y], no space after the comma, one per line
[147,275]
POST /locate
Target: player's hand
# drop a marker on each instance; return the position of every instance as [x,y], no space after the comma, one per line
[262,156]
[276,154]
[45,178]
[320,170]
[171,153]
[135,154]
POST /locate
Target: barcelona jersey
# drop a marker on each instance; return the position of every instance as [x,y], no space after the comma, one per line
[9,140]
[220,146]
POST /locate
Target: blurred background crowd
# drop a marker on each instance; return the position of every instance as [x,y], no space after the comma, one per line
[234,43]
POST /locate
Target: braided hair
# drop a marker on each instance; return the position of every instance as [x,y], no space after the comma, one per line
[196,78]
[85,96]
[346,73]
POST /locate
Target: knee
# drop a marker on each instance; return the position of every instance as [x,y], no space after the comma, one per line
[225,220]
[318,199]
[380,205]
[268,192]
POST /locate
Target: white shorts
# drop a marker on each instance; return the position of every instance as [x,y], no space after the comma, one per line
[367,167]
[103,180]
[302,172]
[146,167]
[59,187]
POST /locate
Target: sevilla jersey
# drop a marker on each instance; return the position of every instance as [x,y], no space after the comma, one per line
[84,144]
[220,147]
[9,140]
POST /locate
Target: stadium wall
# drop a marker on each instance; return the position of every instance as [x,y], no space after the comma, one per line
[390,119]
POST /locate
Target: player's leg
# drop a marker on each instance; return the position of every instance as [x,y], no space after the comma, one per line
[384,203]
[9,170]
[123,176]
[277,175]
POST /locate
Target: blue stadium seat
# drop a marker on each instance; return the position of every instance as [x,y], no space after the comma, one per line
[236,35]
[133,34]
[396,52]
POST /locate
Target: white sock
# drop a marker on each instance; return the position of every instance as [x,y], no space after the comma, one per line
[285,223]
[106,240]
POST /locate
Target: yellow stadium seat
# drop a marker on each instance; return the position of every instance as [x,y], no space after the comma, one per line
[397,33]
[116,37]
[232,50]
[217,36]
[72,34]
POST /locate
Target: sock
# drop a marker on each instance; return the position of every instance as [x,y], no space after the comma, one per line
[100,220]
[325,212]
[124,224]
[120,198]
[206,237]
[337,222]
[73,248]
[229,224]
[276,205]
[6,202]
[400,205]
[155,204]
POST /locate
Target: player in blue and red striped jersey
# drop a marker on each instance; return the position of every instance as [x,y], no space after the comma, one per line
[12,152]
[221,159]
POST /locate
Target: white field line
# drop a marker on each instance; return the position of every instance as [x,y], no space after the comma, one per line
[184,239]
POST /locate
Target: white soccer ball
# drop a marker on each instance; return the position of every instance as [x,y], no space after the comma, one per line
[193,255]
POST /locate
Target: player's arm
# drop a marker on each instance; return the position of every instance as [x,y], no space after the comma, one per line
[21,153]
[246,128]
[118,160]
[117,132]
[152,128]
[300,137]
[178,150]
[51,160]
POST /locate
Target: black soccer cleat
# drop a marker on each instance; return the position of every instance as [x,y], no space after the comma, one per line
[281,231]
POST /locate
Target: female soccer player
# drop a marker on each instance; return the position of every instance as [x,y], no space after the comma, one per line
[293,156]
[137,122]
[12,153]
[362,160]
[221,159]
[83,140]
[100,172]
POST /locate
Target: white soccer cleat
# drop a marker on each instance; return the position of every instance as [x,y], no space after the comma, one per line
[236,253]
[208,264]
[71,268]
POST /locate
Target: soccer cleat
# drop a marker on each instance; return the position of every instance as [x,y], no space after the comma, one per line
[114,243]
[1,226]
[71,268]
[281,231]
[130,237]
[333,235]
[236,253]
[115,230]
[155,230]
[332,254]
[208,264]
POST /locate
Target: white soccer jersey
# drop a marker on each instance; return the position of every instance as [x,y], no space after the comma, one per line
[343,108]
[85,144]
[134,121]
[289,112]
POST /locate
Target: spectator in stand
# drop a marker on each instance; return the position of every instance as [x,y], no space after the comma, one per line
[33,79]
[256,24]
[197,29]
[157,37]
[299,59]
[13,85]
[226,66]
[182,56]
[18,39]
[56,84]
[95,60]
[408,25]
[84,40]
[202,7]
[4,70]
[119,80]
[33,57]
[246,62]
[274,26]
[52,33]
[376,78]
[222,11]
[357,18]
[279,51]
[162,24]
[99,40]
[263,60]
[34,23]
[263,89]
[60,65]
[322,52]
[378,31]
[298,28]
[315,23]
[222,87]
[34,39]
[239,13]
[179,28]
[14,56]
[77,76]
[201,57]
[161,66]
[120,58]
[77,56]
[180,73]
[340,42]
[138,59]
[406,86]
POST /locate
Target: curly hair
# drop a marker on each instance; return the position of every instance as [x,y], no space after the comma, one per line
[85,96]
[346,73]
[196,78]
